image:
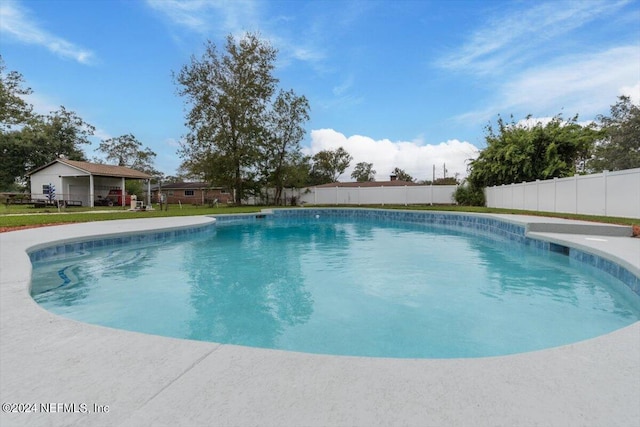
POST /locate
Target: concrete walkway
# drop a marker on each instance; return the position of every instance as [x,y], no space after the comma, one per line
[117,378]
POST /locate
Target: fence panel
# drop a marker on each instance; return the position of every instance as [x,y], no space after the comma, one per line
[530,196]
[566,195]
[591,194]
[609,193]
[623,193]
[401,195]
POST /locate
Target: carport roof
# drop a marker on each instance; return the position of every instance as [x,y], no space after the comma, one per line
[99,169]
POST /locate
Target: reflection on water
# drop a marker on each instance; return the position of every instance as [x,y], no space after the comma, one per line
[246,295]
[341,287]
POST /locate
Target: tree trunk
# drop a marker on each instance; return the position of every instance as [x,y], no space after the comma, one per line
[278,195]
[238,187]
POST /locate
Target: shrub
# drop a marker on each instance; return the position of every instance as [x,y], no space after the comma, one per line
[469,195]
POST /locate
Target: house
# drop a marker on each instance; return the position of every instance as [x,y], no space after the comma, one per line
[393,182]
[198,193]
[81,183]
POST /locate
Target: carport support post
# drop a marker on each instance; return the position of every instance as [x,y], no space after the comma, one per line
[149,192]
[91,191]
[124,192]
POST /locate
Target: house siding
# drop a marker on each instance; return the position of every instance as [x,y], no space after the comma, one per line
[199,197]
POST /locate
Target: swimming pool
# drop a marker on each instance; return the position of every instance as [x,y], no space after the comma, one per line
[341,284]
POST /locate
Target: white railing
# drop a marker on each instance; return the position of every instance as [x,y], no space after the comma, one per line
[382,195]
[608,193]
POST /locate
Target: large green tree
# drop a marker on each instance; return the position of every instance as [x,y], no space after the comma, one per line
[363,172]
[14,110]
[43,139]
[518,152]
[126,150]
[401,175]
[620,147]
[281,146]
[328,165]
[227,96]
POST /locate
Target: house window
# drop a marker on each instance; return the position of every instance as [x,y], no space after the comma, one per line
[45,189]
[188,193]
[170,192]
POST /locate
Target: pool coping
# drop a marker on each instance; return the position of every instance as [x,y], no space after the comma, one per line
[151,380]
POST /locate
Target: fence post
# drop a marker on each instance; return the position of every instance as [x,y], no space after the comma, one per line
[431,193]
[606,202]
[575,190]
[537,195]
[555,194]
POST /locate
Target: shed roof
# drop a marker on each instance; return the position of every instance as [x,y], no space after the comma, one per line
[98,169]
[394,183]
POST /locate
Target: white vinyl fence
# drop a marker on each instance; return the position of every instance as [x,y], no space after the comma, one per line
[383,195]
[608,193]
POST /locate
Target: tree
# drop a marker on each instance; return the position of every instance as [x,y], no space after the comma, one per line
[60,134]
[36,139]
[469,195]
[126,150]
[450,180]
[297,171]
[227,96]
[42,140]
[328,165]
[522,152]
[363,172]
[620,148]
[401,175]
[281,147]
[14,110]
[13,153]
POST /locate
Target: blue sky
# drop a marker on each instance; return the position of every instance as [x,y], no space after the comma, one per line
[399,83]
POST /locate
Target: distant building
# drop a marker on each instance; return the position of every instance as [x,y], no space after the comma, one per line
[393,182]
[196,193]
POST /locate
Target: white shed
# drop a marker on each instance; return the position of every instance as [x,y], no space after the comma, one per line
[82,182]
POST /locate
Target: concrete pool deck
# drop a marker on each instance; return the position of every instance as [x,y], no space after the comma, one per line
[122,378]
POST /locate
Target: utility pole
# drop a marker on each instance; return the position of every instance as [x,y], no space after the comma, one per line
[434,174]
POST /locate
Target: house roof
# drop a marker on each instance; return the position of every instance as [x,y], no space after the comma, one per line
[98,169]
[187,186]
[394,183]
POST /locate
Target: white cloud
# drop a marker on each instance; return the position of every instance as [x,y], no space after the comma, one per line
[237,17]
[16,23]
[632,91]
[343,87]
[515,35]
[203,16]
[414,157]
[584,84]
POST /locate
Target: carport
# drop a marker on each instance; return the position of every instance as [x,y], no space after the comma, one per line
[82,183]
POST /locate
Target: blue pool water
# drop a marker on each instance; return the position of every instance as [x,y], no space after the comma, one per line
[340,286]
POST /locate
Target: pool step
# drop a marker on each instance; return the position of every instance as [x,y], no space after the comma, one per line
[582,228]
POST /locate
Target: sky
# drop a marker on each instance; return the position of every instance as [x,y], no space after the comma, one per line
[408,84]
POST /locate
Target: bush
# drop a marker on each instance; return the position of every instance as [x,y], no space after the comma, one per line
[469,195]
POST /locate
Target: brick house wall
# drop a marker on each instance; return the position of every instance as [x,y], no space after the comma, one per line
[191,193]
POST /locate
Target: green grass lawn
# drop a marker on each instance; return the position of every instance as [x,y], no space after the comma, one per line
[16,215]
[19,215]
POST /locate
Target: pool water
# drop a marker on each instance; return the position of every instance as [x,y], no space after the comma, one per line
[344,287]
